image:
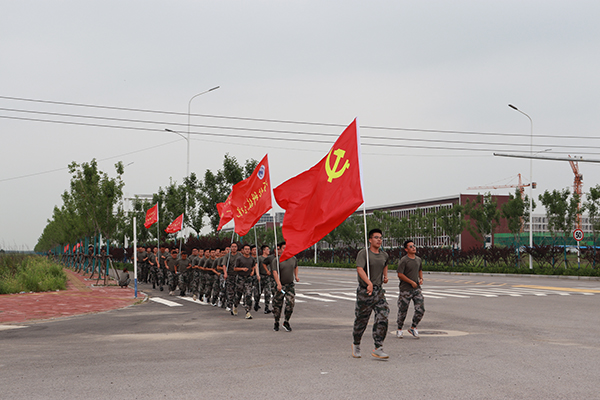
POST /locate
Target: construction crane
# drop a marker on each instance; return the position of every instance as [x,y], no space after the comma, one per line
[577,188]
[520,185]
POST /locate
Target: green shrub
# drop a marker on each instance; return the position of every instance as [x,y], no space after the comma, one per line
[20,273]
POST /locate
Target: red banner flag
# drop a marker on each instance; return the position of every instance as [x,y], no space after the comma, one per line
[225,212]
[320,199]
[251,198]
[151,216]
[66,248]
[176,225]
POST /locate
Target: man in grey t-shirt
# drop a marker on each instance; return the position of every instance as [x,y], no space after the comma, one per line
[410,274]
[284,273]
[370,296]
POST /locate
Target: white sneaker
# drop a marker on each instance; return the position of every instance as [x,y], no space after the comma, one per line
[414,332]
[379,353]
[399,334]
[355,350]
[195,297]
[171,293]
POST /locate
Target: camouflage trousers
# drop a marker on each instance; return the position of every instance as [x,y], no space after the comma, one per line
[195,282]
[230,283]
[245,287]
[184,281]
[207,283]
[267,285]
[172,280]
[366,304]
[222,294]
[290,300]
[404,299]
[156,276]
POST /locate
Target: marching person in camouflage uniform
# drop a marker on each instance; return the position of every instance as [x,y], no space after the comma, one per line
[230,277]
[410,274]
[172,278]
[219,262]
[197,265]
[153,262]
[256,279]
[211,290]
[245,267]
[370,295]
[162,267]
[184,269]
[284,278]
[266,278]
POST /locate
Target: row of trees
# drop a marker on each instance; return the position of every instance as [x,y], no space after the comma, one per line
[93,206]
[562,208]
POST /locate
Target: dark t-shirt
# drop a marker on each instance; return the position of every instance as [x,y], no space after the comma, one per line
[409,267]
[261,268]
[230,258]
[286,269]
[243,262]
[377,263]
[171,263]
[182,265]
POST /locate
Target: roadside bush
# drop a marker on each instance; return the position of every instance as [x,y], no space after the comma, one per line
[20,273]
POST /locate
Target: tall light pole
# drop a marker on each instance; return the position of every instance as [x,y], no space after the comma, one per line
[530,186]
[188,132]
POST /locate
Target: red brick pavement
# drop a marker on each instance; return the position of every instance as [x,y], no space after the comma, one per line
[81,297]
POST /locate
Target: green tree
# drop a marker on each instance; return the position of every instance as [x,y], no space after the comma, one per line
[516,213]
[561,212]
[592,206]
[216,186]
[485,216]
[452,222]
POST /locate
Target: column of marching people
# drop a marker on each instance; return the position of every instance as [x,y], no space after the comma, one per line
[226,278]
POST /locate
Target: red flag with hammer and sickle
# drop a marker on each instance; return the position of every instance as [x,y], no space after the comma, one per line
[320,199]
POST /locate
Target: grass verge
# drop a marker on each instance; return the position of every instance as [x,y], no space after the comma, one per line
[27,273]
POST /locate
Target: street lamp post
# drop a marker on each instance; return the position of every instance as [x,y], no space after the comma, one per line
[188,132]
[531,184]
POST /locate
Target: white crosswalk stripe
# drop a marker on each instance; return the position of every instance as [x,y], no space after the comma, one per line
[435,292]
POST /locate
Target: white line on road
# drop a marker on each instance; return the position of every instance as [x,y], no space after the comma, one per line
[313,298]
[165,302]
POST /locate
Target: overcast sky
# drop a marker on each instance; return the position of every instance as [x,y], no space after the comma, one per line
[438,67]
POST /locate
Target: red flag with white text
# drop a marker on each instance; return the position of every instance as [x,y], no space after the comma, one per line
[151,216]
[225,212]
[176,225]
[320,199]
[251,198]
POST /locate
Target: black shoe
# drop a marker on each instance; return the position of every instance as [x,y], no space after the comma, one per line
[181,294]
[276,326]
[153,286]
[267,311]
[286,326]
[161,288]
[256,307]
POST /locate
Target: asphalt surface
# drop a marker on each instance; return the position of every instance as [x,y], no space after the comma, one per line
[482,337]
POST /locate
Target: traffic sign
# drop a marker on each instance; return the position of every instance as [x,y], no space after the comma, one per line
[578,234]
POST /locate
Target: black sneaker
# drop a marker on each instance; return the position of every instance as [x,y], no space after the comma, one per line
[256,307]
[286,326]
[161,288]
[276,327]
[267,311]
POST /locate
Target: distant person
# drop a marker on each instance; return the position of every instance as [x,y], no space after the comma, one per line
[284,275]
[370,296]
[124,279]
[410,274]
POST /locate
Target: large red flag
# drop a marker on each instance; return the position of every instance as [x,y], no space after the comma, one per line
[318,200]
[251,198]
[225,212]
[151,216]
[176,225]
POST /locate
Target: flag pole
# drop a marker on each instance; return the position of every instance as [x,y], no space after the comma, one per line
[135,255]
[258,266]
[366,240]
[157,227]
[276,251]
[181,240]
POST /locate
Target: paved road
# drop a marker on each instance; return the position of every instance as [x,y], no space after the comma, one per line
[483,337]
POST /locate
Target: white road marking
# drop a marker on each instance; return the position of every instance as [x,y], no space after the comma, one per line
[165,302]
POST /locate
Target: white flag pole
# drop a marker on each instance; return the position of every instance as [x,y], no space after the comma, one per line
[135,255]
[157,227]
[363,193]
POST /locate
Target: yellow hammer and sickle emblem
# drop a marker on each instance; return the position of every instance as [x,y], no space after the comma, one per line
[333,173]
